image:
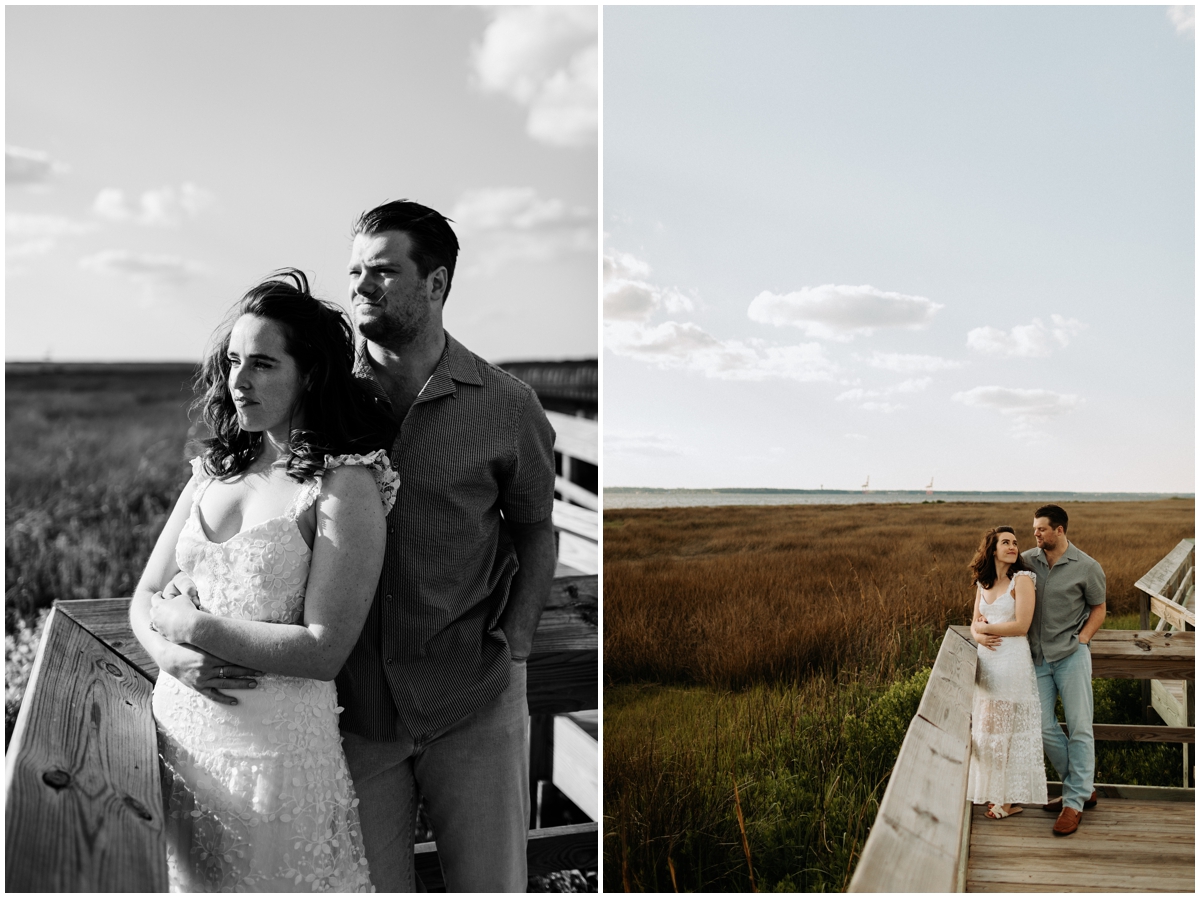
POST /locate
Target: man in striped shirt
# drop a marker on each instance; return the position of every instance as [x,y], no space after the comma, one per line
[434,691]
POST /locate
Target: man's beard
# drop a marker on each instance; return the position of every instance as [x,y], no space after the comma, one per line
[393,332]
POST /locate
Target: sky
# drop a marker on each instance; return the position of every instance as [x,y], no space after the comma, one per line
[160,161]
[900,243]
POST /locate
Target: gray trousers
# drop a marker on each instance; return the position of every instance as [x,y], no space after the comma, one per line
[474,776]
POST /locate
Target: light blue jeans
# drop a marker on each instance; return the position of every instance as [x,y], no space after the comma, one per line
[475,780]
[1073,755]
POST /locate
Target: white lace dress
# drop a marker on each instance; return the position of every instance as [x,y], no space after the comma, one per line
[257,795]
[1006,719]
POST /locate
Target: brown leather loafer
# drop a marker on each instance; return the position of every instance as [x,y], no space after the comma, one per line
[1067,822]
[1053,807]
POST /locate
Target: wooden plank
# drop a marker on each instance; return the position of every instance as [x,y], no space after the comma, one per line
[1137,654]
[580,554]
[1175,615]
[1121,845]
[576,765]
[1167,697]
[573,847]
[563,681]
[916,840]
[576,437]
[964,850]
[951,688]
[569,622]
[1144,655]
[1158,579]
[913,845]
[576,493]
[83,811]
[581,521]
[1133,793]
[108,621]
[571,616]
[1116,732]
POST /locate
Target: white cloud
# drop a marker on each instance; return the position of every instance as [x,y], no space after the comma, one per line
[36,235]
[27,168]
[688,347]
[644,444]
[630,302]
[840,312]
[1034,340]
[164,207]
[142,267]
[869,399]
[514,224]
[628,297]
[623,266]
[1022,405]
[545,58]
[1184,19]
[17,224]
[906,364]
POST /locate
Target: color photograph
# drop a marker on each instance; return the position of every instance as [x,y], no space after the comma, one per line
[899,459]
[302,453]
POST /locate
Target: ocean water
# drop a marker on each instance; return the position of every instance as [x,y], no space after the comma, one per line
[645,497]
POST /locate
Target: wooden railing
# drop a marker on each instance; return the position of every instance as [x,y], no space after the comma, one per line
[1169,592]
[83,806]
[919,840]
[575,441]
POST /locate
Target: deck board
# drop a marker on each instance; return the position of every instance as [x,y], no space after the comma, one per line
[1122,845]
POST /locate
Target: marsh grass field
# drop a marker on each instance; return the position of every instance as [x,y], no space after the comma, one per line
[94,459]
[762,664]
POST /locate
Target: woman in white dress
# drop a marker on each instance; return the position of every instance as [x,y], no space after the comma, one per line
[281,528]
[1006,717]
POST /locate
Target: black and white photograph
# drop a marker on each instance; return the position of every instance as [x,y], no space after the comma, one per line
[302,453]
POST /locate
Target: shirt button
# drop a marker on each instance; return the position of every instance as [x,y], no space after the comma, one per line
[388,597]
[389,661]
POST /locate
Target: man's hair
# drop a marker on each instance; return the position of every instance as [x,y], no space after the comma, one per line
[340,415]
[983,565]
[433,241]
[1054,514]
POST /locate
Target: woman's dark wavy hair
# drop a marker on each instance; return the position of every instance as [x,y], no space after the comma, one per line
[340,415]
[983,565]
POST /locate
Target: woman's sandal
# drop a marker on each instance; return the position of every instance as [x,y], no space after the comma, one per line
[997,812]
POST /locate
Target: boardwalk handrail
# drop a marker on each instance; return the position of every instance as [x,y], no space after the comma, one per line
[83,806]
[1168,587]
[919,839]
[915,840]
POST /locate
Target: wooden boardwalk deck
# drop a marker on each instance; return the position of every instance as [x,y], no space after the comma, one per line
[1122,845]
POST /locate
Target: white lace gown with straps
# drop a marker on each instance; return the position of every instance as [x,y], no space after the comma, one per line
[257,795]
[1006,718]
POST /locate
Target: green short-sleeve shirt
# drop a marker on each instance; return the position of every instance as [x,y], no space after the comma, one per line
[1065,595]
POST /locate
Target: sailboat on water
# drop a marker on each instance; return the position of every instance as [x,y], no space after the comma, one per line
[866,487]
[929,487]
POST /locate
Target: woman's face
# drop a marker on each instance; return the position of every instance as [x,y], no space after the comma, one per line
[1006,547]
[264,381]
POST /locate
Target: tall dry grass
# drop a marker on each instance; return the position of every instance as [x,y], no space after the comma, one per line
[93,464]
[739,595]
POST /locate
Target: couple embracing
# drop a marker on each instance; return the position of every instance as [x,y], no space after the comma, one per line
[1035,615]
[372,507]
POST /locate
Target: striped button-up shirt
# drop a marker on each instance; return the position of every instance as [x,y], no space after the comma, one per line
[475,445]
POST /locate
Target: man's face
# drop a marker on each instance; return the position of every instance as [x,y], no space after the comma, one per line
[391,302]
[1048,538]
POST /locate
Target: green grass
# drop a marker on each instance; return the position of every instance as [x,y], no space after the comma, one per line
[811,762]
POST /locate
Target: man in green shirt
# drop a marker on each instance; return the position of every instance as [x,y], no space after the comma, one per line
[1070,609]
